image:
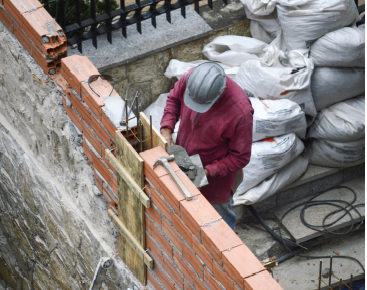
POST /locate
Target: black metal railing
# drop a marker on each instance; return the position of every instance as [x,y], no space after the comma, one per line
[87,24]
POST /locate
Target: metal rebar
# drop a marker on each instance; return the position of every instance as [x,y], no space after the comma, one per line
[127,122]
[340,283]
[151,132]
[330,270]
[318,288]
[137,122]
[351,281]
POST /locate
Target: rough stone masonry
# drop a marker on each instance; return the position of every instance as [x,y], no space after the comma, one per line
[53,229]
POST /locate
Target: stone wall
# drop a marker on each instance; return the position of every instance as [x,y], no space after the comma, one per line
[146,75]
[53,229]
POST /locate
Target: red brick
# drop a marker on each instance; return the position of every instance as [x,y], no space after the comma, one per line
[106,161]
[154,215]
[100,131]
[84,94]
[110,199]
[261,281]
[187,285]
[197,212]
[6,19]
[172,235]
[219,237]
[81,109]
[73,116]
[172,272]
[164,278]
[171,191]
[23,39]
[18,7]
[102,169]
[193,260]
[181,228]
[40,59]
[114,185]
[157,236]
[187,272]
[240,263]
[211,281]
[222,277]
[108,125]
[154,250]
[204,255]
[153,282]
[38,23]
[98,182]
[159,202]
[198,284]
[88,152]
[101,87]
[93,140]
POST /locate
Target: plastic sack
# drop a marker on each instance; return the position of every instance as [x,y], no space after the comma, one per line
[342,48]
[263,27]
[277,117]
[330,85]
[265,7]
[156,110]
[341,122]
[335,154]
[279,75]
[177,68]
[267,157]
[272,184]
[234,50]
[301,25]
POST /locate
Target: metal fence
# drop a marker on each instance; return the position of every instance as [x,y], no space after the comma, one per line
[109,21]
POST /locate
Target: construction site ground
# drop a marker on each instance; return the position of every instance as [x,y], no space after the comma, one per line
[299,272]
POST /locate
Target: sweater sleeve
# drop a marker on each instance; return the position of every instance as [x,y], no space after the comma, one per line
[173,105]
[239,152]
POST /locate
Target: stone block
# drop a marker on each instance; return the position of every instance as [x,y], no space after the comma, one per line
[160,85]
[292,194]
[142,70]
[354,172]
[265,204]
[59,270]
[145,98]
[41,250]
[189,51]
[326,182]
[241,29]
[162,60]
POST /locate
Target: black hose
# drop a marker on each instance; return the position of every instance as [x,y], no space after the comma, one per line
[294,249]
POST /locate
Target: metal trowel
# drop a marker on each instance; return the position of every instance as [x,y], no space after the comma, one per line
[190,165]
[200,179]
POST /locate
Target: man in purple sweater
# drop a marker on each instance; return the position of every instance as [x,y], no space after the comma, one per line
[216,123]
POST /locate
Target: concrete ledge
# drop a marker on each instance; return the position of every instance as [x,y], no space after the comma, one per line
[152,40]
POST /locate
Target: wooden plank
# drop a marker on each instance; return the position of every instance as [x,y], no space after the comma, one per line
[131,210]
[131,240]
[158,139]
[128,179]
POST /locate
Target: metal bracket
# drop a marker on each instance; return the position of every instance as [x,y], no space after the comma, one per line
[104,264]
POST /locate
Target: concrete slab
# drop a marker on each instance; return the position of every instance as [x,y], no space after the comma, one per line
[302,274]
[315,215]
[152,40]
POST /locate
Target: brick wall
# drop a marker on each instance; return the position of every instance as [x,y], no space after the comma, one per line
[192,247]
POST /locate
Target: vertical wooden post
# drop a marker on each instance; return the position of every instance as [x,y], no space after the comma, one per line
[131,211]
[158,139]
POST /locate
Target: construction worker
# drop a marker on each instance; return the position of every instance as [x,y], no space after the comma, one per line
[216,123]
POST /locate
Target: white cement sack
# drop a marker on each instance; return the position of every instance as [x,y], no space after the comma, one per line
[341,122]
[267,157]
[272,184]
[342,48]
[277,117]
[335,154]
[266,7]
[114,108]
[279,75]
[301,25]
[156,110]
[233,50]
[263,27]
[177,68]
[330,85]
